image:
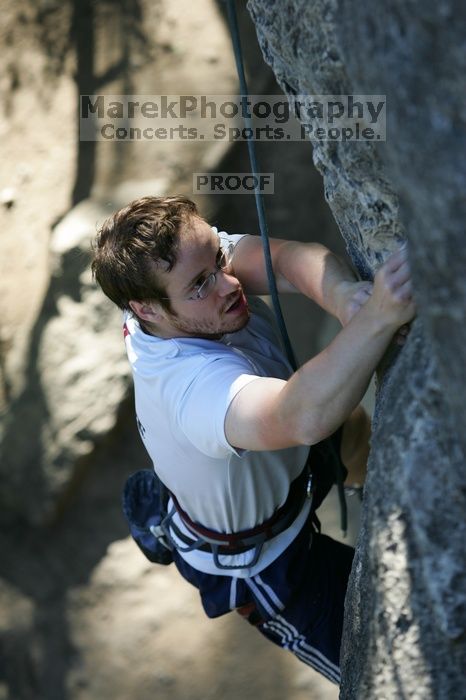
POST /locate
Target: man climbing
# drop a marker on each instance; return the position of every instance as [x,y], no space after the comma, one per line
[226,422]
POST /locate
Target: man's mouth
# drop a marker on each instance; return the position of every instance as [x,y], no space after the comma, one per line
[238,304]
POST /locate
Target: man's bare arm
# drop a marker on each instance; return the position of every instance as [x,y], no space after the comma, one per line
[308,268]
[319,397]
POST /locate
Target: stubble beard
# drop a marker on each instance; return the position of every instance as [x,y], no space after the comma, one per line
[209,330]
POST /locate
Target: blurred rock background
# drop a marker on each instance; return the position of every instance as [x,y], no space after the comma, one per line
[82,615]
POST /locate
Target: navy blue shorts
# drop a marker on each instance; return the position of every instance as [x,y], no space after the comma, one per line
[297,601]
[311,623]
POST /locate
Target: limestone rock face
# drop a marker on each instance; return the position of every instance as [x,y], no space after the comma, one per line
[405,628]
[62,392]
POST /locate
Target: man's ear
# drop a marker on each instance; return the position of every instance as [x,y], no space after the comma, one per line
[147,311]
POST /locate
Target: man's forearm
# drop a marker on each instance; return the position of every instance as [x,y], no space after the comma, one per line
[329,386]
[308,268]
[315,271]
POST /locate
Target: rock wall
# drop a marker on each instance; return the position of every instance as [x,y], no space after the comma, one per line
[406,607]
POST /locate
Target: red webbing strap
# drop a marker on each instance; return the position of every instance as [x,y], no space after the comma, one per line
[295,499]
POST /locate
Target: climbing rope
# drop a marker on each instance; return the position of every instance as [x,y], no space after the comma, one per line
[235,37]
[244,92]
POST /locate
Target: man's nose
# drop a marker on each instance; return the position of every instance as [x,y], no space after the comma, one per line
[226,283]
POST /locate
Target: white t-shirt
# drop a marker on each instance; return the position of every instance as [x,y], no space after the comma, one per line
[183,388]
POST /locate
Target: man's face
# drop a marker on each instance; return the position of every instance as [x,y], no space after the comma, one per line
[224,310]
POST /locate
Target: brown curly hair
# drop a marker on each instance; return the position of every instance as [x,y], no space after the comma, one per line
[133,242]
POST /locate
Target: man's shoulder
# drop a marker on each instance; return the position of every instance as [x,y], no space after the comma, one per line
[179,359]
[228,237]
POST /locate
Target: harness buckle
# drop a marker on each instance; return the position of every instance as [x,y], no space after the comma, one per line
[309,486]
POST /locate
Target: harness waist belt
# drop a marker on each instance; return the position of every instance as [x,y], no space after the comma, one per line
[239,542]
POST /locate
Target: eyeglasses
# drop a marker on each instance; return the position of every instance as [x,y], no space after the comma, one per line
[202,289]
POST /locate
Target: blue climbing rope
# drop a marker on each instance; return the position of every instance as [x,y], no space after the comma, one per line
[244,92]
[235,37]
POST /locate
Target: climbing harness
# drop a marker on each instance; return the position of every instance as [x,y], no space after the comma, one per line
[146,506]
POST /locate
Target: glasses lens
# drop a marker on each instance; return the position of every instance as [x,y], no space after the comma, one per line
[206,287]
[223,264]
[226,258]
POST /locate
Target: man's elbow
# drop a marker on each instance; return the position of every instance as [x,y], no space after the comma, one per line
[311,429]
[274,432]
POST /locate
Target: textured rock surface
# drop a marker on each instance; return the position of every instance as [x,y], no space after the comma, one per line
[406,608]
[64,395]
